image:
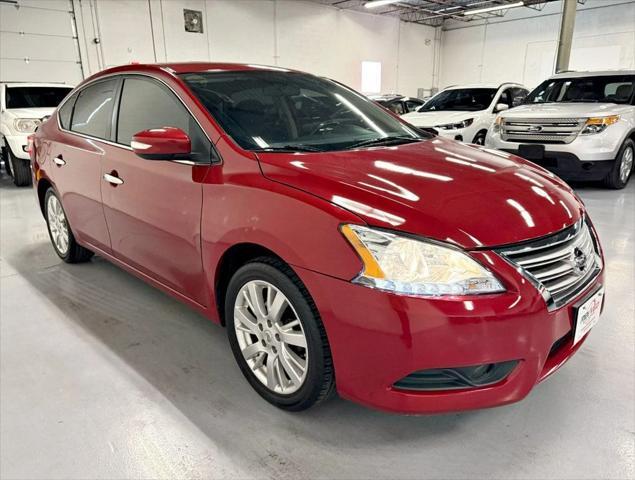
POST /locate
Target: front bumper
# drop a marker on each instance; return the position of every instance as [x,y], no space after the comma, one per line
[18,145]
[377,338]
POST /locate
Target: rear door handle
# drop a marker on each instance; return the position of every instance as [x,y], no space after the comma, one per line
[59,161]
[112,178]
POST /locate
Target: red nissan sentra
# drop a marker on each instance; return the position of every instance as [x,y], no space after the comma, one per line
[342,248]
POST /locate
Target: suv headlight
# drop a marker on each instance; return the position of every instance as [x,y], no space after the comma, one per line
[456,126]
[598,124]
[409,266]
[496,127]
[26,125]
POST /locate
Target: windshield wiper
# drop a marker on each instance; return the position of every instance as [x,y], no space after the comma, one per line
[290,148]
[383,141]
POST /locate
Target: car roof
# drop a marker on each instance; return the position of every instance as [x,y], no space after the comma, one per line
[602,73]
[36,84]
[483,85]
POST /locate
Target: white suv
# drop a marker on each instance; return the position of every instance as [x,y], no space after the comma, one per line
[22,107]
[466,112]
[579,125]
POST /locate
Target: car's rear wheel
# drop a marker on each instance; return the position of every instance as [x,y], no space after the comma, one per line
[20,169]
[623,167]
[62,238]
[277,336]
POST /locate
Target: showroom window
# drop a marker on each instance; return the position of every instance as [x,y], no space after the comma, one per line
[93,110]
[371,77]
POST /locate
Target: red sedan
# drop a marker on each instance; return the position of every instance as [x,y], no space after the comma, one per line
[342,249]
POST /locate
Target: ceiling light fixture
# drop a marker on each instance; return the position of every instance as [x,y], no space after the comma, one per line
[379,3]
[476,11]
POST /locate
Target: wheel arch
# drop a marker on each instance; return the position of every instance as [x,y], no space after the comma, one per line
[42,186]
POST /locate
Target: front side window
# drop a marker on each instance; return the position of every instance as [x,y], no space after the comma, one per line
[35,97]
[461,99]
[601,89]
[92,114]
[289,110]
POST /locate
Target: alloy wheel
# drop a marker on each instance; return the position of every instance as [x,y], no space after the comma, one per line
[626,165]
[271,337]
[57,224]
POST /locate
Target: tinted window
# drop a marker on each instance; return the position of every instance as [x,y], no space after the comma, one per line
[93,110]
[461,99]
[412,105]
[289,110]
[35,97]
[145,104]
[66,111]
[519,96]
[601,89]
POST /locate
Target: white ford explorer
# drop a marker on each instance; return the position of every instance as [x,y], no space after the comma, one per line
[22,107]
[579,125]
[466,112]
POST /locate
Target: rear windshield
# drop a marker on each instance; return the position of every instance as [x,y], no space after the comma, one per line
[604,89]
[264,110]
[35,97]
[461,99]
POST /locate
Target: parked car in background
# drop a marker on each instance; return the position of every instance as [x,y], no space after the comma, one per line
[397,103]
[341,247]
[579,125]
[466,112]
[22,108]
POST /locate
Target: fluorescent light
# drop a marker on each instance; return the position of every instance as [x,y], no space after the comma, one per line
[379,3]
[476,11]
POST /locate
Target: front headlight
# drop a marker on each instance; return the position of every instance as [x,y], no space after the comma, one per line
[26,125]
[496,127]
[598,124]
[456,126]
[415,267]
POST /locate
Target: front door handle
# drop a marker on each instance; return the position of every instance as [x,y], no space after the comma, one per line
[59,161]
[112,178]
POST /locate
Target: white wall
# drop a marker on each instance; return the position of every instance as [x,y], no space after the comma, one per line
[521,46]
[288,33]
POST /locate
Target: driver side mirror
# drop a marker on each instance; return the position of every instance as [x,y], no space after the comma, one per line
[500,107]
[166,143]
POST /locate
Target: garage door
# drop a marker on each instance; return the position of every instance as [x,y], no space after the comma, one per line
[37,42]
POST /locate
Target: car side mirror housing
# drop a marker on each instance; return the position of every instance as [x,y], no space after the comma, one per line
[166,143]
[501,107]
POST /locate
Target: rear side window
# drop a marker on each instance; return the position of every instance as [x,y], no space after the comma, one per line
[92,114]
[145,105]
[66,112]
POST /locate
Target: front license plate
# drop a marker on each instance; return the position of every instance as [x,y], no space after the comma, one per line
[587,315]
[532,152]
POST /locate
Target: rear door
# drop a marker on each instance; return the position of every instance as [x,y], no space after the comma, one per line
[154,215]
[75,158]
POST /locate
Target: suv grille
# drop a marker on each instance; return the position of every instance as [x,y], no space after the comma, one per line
[560,265]
[541,130]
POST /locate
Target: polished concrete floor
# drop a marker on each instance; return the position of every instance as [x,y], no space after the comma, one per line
[104,377]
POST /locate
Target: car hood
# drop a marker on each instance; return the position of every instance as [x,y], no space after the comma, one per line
[30,112]
[559,110]
[434,118]
[467,195]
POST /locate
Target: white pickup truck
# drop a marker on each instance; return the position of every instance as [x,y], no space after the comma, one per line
[22,108]
[579,125]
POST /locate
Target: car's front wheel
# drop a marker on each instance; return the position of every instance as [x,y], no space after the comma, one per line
[479,139]
[277,336]
[623,166]
[62,238]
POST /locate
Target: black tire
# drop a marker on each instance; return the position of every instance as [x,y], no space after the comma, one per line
[75,253]
[319,383]
[479,139]
[20,169]
[613,179]
[5,157]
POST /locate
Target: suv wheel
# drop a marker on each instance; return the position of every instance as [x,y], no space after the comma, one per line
[19,169]
[60,232]
[277,337]
[623,166]
[479,139]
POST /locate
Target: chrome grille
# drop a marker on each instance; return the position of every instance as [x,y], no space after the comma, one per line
[560,265]
[543,130]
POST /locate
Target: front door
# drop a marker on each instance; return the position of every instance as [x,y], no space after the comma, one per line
[152,207]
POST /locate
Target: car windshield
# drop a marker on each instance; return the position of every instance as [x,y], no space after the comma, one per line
[601,89]
[270,110]
[35,97]
[460,99]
